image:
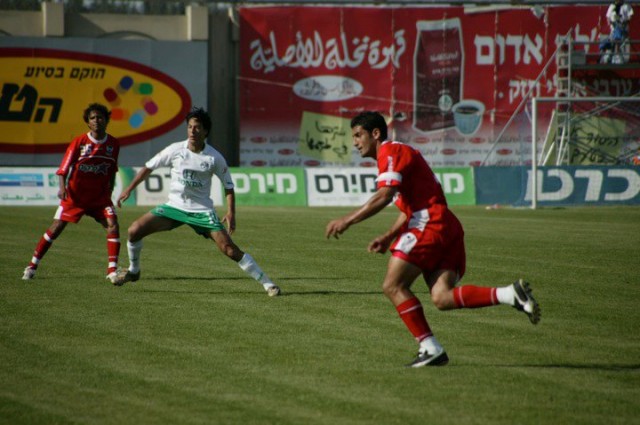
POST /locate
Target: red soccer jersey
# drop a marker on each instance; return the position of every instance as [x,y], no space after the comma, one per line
[420,195]
[90,167]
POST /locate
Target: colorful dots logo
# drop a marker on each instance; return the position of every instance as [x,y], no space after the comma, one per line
[128,89]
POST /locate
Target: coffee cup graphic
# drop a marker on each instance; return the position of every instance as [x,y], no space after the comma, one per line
[467,116]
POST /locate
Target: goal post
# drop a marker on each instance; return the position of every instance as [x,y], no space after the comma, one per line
[615,117]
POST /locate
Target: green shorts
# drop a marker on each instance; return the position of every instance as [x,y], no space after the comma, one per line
[202,222]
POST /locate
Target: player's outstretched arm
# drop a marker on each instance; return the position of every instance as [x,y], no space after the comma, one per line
[374,205]
[139,178]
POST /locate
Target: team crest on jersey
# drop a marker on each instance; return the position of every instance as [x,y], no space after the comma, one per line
[206,165]
[109,150]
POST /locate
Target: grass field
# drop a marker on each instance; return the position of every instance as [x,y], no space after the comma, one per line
[195,341]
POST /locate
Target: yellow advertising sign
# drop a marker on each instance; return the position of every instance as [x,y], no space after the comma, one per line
[45,91]
[325,137]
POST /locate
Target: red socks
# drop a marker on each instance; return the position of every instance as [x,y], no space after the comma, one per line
[412,315]
[470,296]
[43,246]
[113,250]
[467,296]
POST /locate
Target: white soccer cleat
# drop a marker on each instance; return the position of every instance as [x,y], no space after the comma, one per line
[112,277]
[273,291]
[29,273]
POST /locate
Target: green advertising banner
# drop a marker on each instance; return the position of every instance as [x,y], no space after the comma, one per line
[597,141]
[458,184]
[325,137]
[282,186]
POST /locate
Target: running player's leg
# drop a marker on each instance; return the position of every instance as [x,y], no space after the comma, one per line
[447,296]
[397,287]
[450,269]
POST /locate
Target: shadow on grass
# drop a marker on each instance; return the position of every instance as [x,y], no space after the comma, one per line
[331,293]
[587,366]
[184,288]
[300,279]
[285,293]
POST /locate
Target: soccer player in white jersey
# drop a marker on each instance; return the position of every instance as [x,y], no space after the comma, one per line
[193,164]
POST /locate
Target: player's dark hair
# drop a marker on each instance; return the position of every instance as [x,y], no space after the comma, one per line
[202,116]
[370,120]
[98,107]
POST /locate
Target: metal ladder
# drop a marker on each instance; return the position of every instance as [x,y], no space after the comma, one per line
[563,109]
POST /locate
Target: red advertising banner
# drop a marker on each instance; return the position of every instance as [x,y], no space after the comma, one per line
[447,78]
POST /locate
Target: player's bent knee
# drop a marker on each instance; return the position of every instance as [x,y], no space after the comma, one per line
[391,289]
[134,231]
[442,300]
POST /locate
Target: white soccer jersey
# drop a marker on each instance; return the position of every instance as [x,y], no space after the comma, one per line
[191,175]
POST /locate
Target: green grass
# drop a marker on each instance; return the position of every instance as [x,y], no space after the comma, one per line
[195,341]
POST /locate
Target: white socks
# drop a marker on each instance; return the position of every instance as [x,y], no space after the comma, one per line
[249,265]
[430,345]
[133,249]
[506,295]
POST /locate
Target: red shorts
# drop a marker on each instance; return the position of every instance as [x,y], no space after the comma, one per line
[430,250]
[72,213]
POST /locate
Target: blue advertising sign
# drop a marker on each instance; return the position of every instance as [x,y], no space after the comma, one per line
[567,185]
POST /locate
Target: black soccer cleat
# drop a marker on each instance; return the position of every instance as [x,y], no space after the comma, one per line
[124,277]
[525,302]
[426,359]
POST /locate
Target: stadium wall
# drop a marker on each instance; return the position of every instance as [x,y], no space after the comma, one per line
[297,186]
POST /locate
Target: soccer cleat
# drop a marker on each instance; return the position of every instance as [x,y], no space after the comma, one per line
[439,358]
[124,277]
[273,291]
[525,302]
[112,276]
[29,273]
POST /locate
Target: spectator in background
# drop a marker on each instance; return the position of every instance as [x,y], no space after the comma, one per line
[87,177]
[619,15]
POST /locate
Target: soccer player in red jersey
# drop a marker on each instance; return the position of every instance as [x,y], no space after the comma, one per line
[87,177]
[427,239]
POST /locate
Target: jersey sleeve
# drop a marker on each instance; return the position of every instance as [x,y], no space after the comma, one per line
[389,167]
[70,157]
[221,170]
[161,159]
